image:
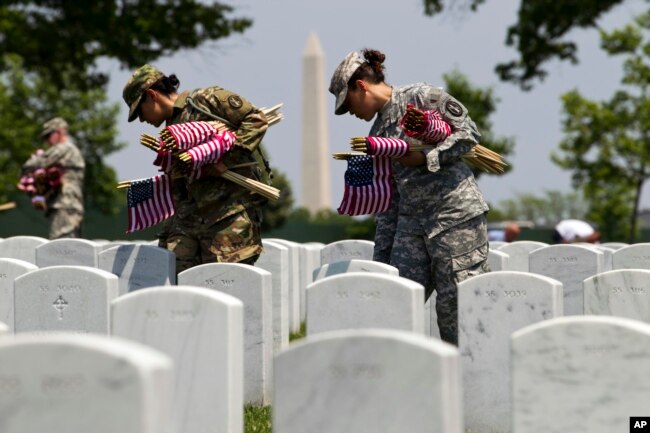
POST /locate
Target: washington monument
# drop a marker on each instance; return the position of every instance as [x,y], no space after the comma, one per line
[315,140]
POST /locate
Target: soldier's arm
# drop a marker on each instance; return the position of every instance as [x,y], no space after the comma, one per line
[464,134]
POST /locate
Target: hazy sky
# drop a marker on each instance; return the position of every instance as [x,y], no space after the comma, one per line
[265,66]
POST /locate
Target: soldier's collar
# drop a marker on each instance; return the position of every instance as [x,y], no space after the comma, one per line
[181,100]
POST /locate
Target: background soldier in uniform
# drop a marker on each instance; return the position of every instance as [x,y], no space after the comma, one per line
[216,220]
[435,231]
[63,204]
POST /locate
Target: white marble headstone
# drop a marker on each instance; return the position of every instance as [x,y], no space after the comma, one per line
[4,329]
[275,259]
[71,252]
[309,261]
[491,307]
[10,269]
[635,256]
[495,245]
[83,383]
[139,266]
[570,265]
[621,293]
[582,374]
[614,245]
[64,298]
[294,252]
[364,300]
[253,287]
[21,247]
[202,331]
[518,252]
[354,265]
[367,381]
[497,260]
[347,250]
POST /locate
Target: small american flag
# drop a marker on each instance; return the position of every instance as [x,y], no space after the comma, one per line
[212,150]
[368,187]
[383,146]
[149,202]
[190,134]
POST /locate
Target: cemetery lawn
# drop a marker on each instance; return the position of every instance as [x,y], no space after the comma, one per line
[300,334]
[257,419]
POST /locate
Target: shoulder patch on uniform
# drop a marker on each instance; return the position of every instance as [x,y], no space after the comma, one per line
[453,108]
[235,101]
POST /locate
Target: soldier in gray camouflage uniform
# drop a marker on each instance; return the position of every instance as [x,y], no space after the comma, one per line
[216,220]
[64,206]
[435,231]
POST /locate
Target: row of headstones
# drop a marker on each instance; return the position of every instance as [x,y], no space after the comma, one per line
[569,264]
[577,374]
[515,256]
[142,265]
[491,307]
[78,298]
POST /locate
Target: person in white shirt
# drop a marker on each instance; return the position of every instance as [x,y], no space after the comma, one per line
[572,231]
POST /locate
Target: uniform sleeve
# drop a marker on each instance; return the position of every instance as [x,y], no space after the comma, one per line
[34,162]
[249,121]
[464,134]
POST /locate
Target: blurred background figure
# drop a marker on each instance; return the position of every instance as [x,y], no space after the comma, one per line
[54,178]
[508,233]
[572,230]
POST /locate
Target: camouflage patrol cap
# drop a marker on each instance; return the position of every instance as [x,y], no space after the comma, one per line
[53,125]
[139,82]
[340,78]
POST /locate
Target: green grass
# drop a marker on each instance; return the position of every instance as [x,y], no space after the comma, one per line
[257,419]
[300,334]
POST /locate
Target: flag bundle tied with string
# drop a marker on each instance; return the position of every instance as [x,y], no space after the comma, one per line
[184,149]
[149,201]
[368,185]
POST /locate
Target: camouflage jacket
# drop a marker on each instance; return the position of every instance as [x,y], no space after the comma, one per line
[210,199]
[67,156]
[433,198]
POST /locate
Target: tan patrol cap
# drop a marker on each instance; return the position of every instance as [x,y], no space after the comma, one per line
[340,78]
[53,125]
[139,82]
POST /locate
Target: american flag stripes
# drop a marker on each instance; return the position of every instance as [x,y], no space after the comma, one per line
[149,202]
[190,134]
[164,160]
[433,128]
[368,185]
[436,129]
[212,150]
[383,146]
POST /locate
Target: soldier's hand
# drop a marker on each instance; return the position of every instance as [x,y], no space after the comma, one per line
[413,122]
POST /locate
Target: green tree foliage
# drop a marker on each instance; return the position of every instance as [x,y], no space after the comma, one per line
[51,35]
[276,212]
[481,104]
[545,210]
[607,143]
[540,33]
[27,100]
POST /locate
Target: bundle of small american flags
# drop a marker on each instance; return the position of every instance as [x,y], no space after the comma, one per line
[183,150]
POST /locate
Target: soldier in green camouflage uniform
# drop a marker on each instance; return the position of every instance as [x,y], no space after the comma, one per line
[435,231]
[64,205]
[216,220]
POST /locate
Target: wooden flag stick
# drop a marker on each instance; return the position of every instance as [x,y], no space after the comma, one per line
[8,205]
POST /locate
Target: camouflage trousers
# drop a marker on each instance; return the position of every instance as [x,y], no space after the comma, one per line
[235,239]
[440,263]
[64,223]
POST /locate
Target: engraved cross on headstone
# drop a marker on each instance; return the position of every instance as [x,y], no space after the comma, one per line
[60,304]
